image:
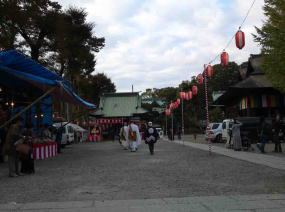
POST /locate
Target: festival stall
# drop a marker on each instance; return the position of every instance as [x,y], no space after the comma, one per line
[28,90]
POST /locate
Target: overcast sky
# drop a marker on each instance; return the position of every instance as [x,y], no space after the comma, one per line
[159,43]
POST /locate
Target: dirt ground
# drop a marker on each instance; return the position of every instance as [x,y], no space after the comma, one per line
[104,171]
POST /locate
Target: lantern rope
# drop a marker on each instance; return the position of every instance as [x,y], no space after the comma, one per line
[240,26]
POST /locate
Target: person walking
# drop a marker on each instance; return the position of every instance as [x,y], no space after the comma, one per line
[262,135]
[276,130]
[150,137]
[124,136]
[236,135]
[134,136]
[12,137]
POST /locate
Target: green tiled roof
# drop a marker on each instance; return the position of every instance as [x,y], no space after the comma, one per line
[119,105]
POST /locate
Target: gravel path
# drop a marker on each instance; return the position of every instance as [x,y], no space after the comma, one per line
[103,171]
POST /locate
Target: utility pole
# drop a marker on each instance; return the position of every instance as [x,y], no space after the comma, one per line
[207,105]
[182,118]
[172,132]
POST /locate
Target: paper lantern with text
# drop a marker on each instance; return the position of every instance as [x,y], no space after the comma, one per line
[209,71]
[240,39]
[224,59]
[190,95]
[195,90]
[187,96]
[200,78]
[167,112]
[182,95]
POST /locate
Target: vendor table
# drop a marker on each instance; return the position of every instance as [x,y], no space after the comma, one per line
[44,150]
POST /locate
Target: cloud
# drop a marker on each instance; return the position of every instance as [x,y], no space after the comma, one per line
[159,43]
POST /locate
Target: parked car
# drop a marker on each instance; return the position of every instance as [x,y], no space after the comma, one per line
[214,132]
[226,129]
[67,133]
[83,134]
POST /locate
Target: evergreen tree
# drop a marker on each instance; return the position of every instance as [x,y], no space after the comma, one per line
[25,25]
[93,86]
[272,40]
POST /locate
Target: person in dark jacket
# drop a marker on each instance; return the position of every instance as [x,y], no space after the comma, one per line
[262,132]
[276,130]
[58,138]
[150,137]
[13,135]
[28,166]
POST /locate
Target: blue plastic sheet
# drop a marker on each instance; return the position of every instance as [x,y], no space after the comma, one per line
[18,71]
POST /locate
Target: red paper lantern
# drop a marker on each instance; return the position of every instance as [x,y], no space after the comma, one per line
[167,112]
[240,39]
[190,95]
[182,95]
[209,71]
[194,90]
[186,96]
[224,59]
[178,101]
[200,78]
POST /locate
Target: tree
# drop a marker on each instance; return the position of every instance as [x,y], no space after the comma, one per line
[61,40]
[74,44]
[224,77]
[93,86]
[271,37]
[25,25]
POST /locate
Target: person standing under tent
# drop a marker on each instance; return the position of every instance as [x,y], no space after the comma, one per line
[58,138]
[134,136]
[124,136]
[28,165]
[236,135]
[13,135]
[150,137]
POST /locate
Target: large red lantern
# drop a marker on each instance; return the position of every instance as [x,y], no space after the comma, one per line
[186,96]
[190,95]
[224,58]
[200,78]
[194,90]
[209,71]
[167,112]
[240,39]
[182,95]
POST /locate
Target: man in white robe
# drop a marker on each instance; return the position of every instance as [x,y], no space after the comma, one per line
[124,136]
[134,136]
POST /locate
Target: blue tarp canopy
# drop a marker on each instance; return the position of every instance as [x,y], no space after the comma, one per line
[17,71]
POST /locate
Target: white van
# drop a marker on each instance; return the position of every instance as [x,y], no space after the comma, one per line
[83,134]
[67,133]
[226,127]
